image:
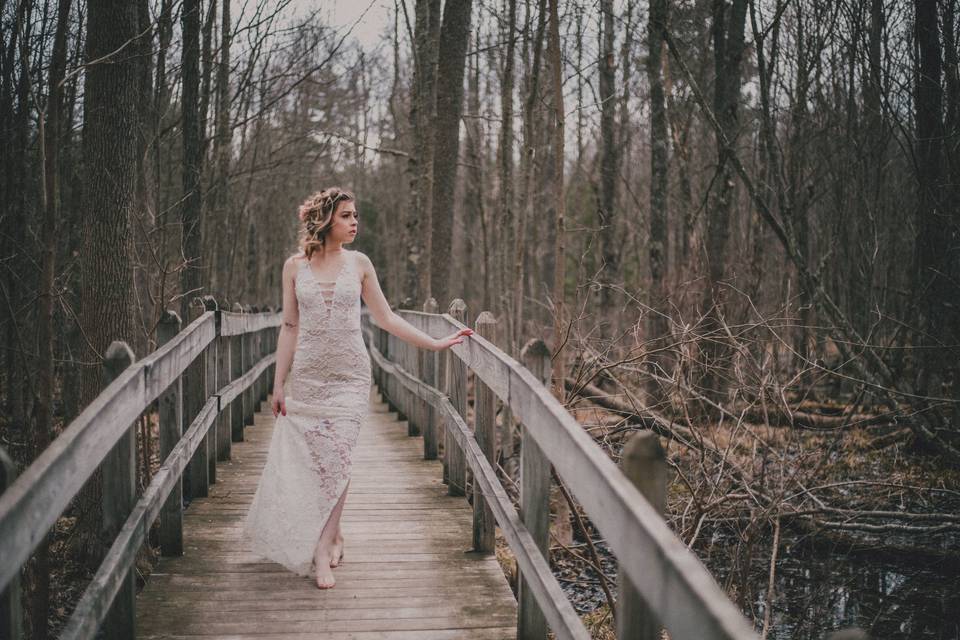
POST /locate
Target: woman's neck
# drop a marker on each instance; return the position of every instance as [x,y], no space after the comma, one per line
[336,249]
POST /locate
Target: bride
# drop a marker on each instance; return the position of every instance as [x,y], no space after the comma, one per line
[294,518]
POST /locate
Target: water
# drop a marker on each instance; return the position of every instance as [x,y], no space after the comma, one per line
[817,592]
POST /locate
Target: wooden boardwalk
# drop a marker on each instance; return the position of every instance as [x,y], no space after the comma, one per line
[407,571]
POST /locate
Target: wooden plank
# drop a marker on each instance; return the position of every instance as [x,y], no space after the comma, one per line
[118,495]
[455,386]
[196,391]
[11,611]
[405,566]
[171,428]
[235,323]
[479,633]
[485,433]
[534,500]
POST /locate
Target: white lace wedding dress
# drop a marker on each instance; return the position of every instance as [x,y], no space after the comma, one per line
[309,460]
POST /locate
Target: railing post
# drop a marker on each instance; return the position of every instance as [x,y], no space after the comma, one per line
[263,338]
[195,391]
[412,365]
[387,384]
[224,377]
[248,355]
[118,497]
[507,450]
[428,371]
[11,614]
[171,429]
[485,432]
[455,387]
[534,499]
[236,370]
[644,463]
[212,384]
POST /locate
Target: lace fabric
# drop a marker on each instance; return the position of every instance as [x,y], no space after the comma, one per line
[310,456]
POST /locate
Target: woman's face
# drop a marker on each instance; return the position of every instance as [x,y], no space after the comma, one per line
[345,222]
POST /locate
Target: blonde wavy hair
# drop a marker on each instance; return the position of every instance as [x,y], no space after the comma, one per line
[316,217]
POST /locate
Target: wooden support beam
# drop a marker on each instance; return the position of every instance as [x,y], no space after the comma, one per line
[171,428]
[119,493]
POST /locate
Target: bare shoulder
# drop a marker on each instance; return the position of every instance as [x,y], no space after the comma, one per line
[291,264]
[365,263]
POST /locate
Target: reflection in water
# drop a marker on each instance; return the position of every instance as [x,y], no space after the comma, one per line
[820,592]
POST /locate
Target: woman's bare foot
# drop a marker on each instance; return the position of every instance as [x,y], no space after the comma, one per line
[321,564]
[337,553]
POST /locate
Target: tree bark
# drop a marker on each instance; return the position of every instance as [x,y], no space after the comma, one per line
[418,226]
[609,168]
[559,274]
[192,274]
[657,323]
[111,116]
[454,36]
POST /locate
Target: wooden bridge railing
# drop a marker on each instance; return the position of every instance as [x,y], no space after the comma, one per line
[661,582]
[213,372]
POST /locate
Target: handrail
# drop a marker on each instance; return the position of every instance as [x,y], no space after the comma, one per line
[32,504]
[40,494]
[92,607]
[670,578]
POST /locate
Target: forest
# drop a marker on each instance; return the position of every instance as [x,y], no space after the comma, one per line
[735,223]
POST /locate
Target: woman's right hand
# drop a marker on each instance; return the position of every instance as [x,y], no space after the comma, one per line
[279,404]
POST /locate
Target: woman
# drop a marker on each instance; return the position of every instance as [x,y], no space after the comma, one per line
[294,518]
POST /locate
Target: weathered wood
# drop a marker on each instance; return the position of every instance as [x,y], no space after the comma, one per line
[222,588]
[455,387]
[195,392]
[11,614]
[237,322]
[224,377]
[534,500]
[119,491]
[560,614]
[505,434]
[107,583]
[171,428]
[41,493]
[668,575]
[236,388]
[485,432]
[249,350]
[645,465]
[428,371]
[411,362]
[212,384]
[236,370]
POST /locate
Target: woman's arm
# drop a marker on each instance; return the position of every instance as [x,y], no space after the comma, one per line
[394,324]
[287,340]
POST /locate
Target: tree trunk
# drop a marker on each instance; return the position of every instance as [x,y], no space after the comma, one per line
[934,225]
[111,113]
[609,171]
[418,224]
[559,274]
[50,134]
[657,324]
[505,201]
[454,36]
[728,47]
[192,275]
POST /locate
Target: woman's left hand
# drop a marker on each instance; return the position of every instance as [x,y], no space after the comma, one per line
[456,338]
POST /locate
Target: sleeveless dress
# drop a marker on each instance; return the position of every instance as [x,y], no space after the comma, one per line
[310,456]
